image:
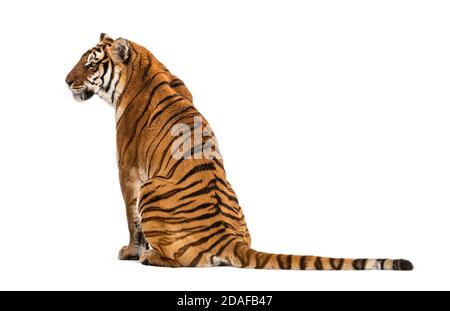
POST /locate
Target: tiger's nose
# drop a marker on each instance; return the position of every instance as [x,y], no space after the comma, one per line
[69,81]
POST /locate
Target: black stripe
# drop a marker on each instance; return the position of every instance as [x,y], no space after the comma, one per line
[280,261]
[174,85]
[289,262]
[110,78]
[228,207]
[105,70]
[197,169]
[303,262]
[205,239]
[167,194]
[194,209]
[337,266]
[359,264]
[318,263]
[167,210]
[231,216]
[114,88]
[381,261]
[219,163]
[202,191]
[220,180]
[171,232]
[228,196]
[192,230]
[176,82]
[153,189]
[184,219]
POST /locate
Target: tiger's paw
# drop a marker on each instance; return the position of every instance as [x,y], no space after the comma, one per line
[152,258]
[129,252]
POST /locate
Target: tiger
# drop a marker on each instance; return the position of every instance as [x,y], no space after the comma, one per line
[181,210]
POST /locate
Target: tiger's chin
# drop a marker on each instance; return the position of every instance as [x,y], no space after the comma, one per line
[82,95]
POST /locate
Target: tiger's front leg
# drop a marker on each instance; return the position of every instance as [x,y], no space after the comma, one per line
[136,245]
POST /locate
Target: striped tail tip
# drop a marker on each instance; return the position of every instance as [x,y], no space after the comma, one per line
[391,264]
[402,264]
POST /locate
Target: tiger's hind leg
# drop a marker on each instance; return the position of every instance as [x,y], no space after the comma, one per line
[153,258]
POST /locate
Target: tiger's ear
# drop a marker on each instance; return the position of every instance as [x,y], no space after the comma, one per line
[105,38]
[120,50]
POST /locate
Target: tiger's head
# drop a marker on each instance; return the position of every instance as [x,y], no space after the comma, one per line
[99,70]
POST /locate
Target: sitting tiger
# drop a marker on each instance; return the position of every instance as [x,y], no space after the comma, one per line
[181,210]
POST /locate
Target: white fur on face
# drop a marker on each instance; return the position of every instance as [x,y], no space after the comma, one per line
[110,92]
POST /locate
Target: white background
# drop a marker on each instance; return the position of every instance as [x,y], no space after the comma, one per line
[333,118]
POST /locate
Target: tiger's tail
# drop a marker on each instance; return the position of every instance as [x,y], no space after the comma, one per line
[248,258]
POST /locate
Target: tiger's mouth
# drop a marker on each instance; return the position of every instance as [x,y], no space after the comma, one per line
[82,93]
